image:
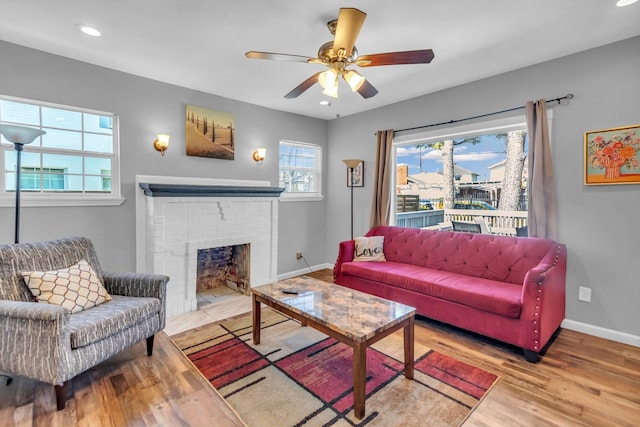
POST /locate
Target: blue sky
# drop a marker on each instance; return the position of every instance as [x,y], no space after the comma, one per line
[476,158]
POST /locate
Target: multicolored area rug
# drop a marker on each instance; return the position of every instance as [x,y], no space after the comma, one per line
[298,376]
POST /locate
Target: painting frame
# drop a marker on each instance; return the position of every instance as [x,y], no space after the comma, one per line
[209,133]
[358,175]
[612,156]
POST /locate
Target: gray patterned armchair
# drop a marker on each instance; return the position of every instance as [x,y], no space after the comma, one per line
[48,343]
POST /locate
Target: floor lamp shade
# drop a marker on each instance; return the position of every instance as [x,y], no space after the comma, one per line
[352,164]
[19,136]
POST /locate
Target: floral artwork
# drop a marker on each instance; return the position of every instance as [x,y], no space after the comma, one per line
[612,156]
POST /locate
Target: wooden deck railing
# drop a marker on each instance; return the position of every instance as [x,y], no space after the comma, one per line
[497,222]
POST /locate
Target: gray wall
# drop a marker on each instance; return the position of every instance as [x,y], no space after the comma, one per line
[145,108]
[598,223]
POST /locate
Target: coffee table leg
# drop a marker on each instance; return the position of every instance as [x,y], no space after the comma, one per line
[359,378]
[408,349]
[256,321]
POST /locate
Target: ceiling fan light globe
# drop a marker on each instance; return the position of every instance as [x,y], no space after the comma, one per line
[328,79]
[354,79]
[331,91]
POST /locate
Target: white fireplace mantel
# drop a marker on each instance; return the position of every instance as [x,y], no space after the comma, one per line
[176,216]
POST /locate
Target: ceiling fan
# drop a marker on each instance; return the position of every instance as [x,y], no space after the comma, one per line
[341,53]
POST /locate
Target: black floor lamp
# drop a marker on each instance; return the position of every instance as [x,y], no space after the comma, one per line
[19,136]
[351,164]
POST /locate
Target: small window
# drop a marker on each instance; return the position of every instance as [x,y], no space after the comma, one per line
[300,170]
[74,163]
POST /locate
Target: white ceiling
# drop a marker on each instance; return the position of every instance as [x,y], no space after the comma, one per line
[200,44]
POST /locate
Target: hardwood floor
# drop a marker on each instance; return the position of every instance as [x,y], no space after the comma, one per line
[580,381]
[130,389]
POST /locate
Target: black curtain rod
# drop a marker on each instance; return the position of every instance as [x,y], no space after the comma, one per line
[558,100]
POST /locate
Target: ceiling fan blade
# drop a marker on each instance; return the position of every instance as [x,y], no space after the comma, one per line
[350,21]
[367,90]
[395,58]
[278,56]
[298,90]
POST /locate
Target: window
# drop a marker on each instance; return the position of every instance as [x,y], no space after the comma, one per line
[74,163]
[486,183]
[300,170]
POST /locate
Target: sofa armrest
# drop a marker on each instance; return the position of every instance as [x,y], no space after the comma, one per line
[345,254]
[543,299]
[35,340]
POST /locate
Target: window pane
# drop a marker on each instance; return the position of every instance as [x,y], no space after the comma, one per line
[53,181]
[97,184]
[487,179]
[27,160]
[20,113]
[97,166]
[98,143]
[10,161]
[63,139]
[29,180]
[299,168]
[69,164]
[98,124]
[62,119]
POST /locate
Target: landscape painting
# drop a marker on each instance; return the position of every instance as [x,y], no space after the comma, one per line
[209,133]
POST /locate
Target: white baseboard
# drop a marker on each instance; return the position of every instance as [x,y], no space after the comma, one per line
[304,271]
[598,331]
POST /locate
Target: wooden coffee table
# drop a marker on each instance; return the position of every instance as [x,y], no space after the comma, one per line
[352,317]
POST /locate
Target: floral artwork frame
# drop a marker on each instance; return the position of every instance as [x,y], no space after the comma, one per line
[209,133]
[612,156]
[358,175]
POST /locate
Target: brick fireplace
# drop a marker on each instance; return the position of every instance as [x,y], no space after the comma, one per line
[177,217]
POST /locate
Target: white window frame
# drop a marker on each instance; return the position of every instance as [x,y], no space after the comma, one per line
[308,196]
[467,130]
[37,199]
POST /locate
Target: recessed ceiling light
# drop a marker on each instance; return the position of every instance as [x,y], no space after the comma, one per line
[622,3]
[89,31]
[325,102]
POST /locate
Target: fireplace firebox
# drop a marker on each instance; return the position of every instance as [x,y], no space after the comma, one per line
[223,266]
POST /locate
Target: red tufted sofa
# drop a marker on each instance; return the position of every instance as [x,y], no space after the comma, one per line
[508,288]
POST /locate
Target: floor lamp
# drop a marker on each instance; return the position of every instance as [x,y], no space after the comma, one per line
[19,136]
[351,165]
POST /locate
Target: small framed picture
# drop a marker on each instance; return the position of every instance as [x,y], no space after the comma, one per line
[612,156]
[357,179]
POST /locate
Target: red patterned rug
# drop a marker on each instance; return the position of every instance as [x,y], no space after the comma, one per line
[298,376]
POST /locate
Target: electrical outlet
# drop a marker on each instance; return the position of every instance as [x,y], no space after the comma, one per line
[584,294]
[298,255]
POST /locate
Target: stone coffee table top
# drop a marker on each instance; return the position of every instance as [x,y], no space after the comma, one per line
[351,313]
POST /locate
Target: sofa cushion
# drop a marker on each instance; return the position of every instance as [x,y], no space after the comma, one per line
[77,287]
[369,248]
[110,318]
[483,294]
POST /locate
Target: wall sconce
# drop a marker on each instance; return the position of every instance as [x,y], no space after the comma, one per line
[259,154]
[162,143]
